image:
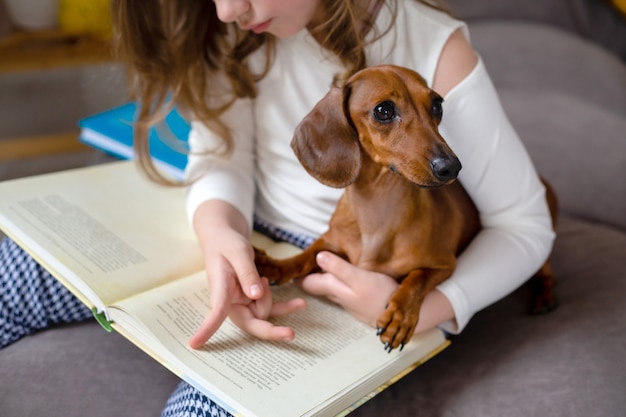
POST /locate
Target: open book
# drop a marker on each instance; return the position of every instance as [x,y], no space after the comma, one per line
[124,247]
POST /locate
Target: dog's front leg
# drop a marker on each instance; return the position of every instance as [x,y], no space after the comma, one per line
[397,323]
[281,271]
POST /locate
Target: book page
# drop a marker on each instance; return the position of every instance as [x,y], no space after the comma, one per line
[105,231]
[251,377]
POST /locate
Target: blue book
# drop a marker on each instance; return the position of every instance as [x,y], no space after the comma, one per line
[112,132]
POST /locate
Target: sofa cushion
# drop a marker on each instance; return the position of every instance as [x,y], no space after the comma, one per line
[579,147]
[553,11]
[598,21]
[537,57]
[80,370]
[567,99]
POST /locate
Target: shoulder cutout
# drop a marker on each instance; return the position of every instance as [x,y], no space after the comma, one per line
[456,62]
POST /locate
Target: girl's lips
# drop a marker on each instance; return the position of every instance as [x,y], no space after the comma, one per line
[261,27]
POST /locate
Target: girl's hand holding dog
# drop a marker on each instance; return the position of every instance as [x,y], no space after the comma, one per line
[236,289]
[362,293]
[365,294]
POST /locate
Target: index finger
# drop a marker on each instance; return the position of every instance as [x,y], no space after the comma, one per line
[209,326]
[224,291]
[220,307]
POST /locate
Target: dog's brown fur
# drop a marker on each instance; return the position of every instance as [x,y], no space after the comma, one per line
[402,212]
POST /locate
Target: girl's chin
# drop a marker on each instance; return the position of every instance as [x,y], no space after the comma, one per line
[284,32]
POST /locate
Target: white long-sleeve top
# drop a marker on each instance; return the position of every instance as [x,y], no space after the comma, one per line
[263,176]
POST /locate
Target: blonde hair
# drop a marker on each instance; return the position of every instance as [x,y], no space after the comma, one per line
[175,50]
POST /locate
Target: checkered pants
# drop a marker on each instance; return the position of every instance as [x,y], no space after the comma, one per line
[31,299]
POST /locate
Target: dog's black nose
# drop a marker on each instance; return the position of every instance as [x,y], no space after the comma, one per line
[445,168]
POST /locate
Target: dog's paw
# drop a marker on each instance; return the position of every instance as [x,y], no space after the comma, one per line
[268,267]
[396,325]
[543,298]
[543,303]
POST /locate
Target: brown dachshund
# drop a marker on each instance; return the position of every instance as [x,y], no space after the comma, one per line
[402,212]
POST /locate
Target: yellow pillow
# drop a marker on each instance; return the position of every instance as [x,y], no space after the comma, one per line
[85,16]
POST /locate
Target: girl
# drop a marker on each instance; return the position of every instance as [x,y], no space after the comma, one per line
[246,72]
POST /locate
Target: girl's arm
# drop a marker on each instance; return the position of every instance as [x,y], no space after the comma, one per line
[236,290]
[498,174]
[220,204]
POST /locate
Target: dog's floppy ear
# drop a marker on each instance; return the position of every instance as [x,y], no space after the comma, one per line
[326,143]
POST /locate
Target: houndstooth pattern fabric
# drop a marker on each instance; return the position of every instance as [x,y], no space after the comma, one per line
[186,401]
[30,298]
[301,241]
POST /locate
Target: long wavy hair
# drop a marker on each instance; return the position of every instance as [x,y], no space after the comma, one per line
[177,52]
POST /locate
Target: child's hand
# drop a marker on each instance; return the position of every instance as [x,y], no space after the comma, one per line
[230,268]
[252,318]
[362,293]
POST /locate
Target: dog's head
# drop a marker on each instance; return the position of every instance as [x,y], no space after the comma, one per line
[389,113]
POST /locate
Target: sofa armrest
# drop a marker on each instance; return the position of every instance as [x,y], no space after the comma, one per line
[566,97]
[596,20]
[578,147]
[554,12]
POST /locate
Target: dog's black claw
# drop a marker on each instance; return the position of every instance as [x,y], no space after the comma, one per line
[379,331]
[544,308]
[401,346]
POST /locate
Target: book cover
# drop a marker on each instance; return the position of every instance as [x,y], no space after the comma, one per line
[112,131]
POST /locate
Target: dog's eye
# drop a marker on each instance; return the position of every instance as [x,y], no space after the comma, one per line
[384,112]
[437,107]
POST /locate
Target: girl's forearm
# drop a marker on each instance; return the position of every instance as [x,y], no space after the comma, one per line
[435,310]
[214,215]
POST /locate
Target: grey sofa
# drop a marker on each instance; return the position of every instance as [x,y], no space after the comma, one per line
[566,95]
